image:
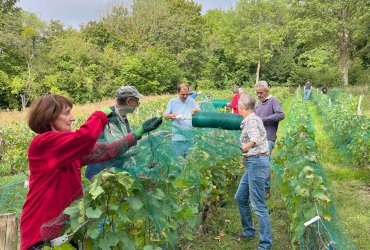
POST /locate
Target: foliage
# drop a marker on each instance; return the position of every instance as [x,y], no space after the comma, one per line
[151,71]
[283,42]
[351,131]
[16,140]
[302,179]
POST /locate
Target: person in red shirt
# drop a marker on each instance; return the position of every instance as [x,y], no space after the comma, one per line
[55,158]
[234,102]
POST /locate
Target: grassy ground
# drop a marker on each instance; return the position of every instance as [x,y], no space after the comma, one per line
[12,193]
[224,222]
[350,187]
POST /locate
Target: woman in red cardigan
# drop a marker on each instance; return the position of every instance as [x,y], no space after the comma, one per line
[234,102]
[55,158]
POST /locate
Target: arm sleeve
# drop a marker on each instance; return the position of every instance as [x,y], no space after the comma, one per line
[103,151]
[169,108]
[59,148]
[277,115]
[194,95]
[195,105]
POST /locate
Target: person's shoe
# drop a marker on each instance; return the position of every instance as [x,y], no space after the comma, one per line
[241,237]
[267,194]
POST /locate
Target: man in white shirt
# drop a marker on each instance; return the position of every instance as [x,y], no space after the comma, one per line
[181,109]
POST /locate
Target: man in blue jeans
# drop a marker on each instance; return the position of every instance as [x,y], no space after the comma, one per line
[307,90]
[271,113]
[251,188]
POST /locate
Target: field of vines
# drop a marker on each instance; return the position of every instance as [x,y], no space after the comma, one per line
[173,209]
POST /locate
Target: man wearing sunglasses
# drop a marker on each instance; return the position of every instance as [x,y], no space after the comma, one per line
[181,109]
[127,100]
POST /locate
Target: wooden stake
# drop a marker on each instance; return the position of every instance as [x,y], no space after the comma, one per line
[359,105]
[8,232]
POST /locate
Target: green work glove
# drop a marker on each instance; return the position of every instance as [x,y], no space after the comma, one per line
[106,111]
[147,126]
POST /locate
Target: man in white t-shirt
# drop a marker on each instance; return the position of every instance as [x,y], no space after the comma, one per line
[181,109]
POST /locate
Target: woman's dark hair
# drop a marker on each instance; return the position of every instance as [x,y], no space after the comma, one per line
[46,110]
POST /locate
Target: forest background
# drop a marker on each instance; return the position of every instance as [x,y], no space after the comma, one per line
[156,44]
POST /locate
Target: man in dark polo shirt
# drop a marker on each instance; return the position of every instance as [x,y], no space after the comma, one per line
[271,113]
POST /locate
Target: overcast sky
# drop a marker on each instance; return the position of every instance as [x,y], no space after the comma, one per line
[75,12]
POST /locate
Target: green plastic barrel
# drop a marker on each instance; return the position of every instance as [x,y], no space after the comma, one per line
[220,103]
[225,121]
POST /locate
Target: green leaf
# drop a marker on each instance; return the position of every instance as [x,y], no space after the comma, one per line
[151,247]
[110,240]
[96,191]
[72,211]
[93,213]
[64,246]
[135,203]
[93,233]
[159,193]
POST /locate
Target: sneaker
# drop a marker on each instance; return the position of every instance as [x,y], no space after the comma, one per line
[240,237]
[267,194]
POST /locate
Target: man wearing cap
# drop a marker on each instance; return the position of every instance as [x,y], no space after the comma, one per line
[127,100]
[181,109]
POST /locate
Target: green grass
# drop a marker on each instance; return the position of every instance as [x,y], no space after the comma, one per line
[349,186]
[12,193]
[227,220]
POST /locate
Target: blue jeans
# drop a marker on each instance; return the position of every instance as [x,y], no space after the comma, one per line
[181,148]
[271,145]
[252,189]
[307,93]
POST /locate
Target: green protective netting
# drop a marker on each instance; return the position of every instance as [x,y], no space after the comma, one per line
[225,121]
[207,107]
[220,103]
[148,195]
[13,189]
[305,186]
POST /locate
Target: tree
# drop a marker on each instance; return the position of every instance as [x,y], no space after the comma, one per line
[261,28]
[22,36]
[175,26]
[7,6]
[334,22]
[151,71]
[73,67]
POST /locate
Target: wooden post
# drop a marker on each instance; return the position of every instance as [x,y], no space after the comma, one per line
[359,105]
[2,143]
[8,232]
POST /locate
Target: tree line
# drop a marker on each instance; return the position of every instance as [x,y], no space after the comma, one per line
[156,44]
